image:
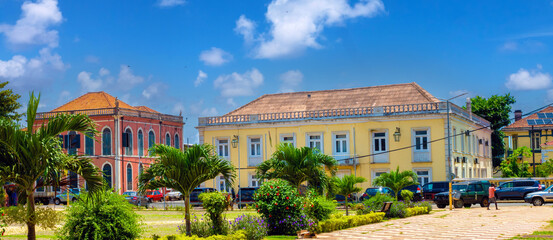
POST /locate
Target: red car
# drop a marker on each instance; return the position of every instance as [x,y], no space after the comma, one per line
[155,195]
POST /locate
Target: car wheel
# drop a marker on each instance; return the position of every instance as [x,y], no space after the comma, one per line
[441,205]
[485,202]
[57,201]
[537,201]
[467,205]
[458,203]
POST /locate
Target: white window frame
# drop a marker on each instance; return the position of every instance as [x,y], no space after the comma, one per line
[378,170]
[287,135]
[385,138]
[414,139]
[252,179]
[463,138]
[454,139]
[129,187]
[429,176]
[257,157]
[308,140]
[334,139]
[221,179]
[219,144]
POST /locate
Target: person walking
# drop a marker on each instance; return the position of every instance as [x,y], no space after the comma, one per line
[491,195]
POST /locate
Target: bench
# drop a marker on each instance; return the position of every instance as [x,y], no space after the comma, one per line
[386,207]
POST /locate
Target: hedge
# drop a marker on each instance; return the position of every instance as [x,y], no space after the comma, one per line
[344,222]
[240,235]
[414,211]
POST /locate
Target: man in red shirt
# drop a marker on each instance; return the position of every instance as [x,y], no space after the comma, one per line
[491,194]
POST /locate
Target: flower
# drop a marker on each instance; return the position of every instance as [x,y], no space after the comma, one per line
[287,197]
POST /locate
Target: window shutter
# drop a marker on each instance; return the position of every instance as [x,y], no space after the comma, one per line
[125,140]
[65,141]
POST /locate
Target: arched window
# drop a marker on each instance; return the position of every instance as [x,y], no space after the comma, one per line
[167,139]
[128,149]
[89,144]
[106,170]
[129,177]
[140,143]
[151,140]
[106,142]
[177,141]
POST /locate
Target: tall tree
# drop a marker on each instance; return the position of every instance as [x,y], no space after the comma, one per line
[511,168]
[297,165]
[496,110]
[32,157]
[184,171]
[396,180]
[9,104]
[346,186]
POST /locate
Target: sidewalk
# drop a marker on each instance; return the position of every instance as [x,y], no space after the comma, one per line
[473,223]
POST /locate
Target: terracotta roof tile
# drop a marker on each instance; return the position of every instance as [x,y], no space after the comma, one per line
[146,109]
[385,95]
[96,100]
[522,123]
[550,143]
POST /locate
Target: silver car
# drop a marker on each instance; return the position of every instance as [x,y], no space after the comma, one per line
[541,197]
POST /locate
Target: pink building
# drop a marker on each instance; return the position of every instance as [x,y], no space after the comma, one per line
[120,150]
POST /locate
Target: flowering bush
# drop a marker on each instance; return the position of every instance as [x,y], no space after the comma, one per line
[425,204]
[239,235]
[2,224]
[338,222]
[398,210]
[215,204]
[375,203]
[321,207]
[416,211]
[202,227]
[255,228]
[281,206]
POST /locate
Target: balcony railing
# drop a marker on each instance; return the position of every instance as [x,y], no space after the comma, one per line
[419,108]
[346,160]
[112,111]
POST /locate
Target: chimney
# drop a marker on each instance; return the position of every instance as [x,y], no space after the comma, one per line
[518,115]
[469,107]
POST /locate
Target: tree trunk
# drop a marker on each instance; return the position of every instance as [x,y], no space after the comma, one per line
[187,214]
[31,232]
[347,213]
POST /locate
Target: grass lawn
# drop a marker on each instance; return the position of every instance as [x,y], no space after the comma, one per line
[544,233]
[280,237]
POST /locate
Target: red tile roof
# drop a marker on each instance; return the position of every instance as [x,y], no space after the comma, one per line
[550,143]
[522,123]
[385,95]
[97,100]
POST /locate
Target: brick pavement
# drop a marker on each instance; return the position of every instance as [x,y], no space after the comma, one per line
[473,223]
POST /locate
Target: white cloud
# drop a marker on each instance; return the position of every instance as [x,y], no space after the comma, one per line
[231,102]
[64,97]
[290,80]
[235,84]
[88,84]
[170,3]
[32,73]
[209,112]
[155,90]
[202,76]
[92,59]
[246,28]
[127,79]
[296,25]
[528,80]
[178,108]
[103,72]
[34,25]
[523,46]
[215,57]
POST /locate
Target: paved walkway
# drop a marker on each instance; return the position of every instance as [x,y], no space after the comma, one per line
[473,223]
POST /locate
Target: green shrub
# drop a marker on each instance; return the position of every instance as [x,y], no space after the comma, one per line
[414,211]
[398,210]
[2,223]
[198,227]
[281,206]
[407,196]
[44,217]
[101,215]
[375,203]
[239,235]
[215,204]
[255,228]
[321,207]
[344,222]
[425,204]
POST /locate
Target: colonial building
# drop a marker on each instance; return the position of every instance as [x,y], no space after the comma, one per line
[120,150]
[521,133]
[369,130]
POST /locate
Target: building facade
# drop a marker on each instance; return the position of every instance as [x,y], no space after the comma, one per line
[369,131]
[535,137]
[120,150]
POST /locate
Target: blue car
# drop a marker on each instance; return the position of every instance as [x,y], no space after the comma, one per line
[518,189]
[62,197]
[372,191]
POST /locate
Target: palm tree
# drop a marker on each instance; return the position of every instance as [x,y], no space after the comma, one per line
[297,165]
[34,155]
[184,171]
[346,186]
[396,180]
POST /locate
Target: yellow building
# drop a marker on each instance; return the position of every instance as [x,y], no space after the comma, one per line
[520,133]
[402,123]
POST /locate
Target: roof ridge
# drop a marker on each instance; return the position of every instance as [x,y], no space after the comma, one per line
[69,102]
[424,93]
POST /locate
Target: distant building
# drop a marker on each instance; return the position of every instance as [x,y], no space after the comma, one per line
[352,124]
[120,150]
[535,137]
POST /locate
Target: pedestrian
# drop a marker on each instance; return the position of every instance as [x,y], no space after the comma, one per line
[491,194]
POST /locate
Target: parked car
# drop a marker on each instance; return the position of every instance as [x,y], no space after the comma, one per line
[136,199]
[465,194]
[415,189]
[517,189]
[372,191]
[174,195]
[62,197]
[194,195]
[540,197]
[341,199]
[432,188]
[154,195]
[245,196]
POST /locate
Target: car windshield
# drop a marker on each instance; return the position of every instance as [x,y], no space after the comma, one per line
[130,193]
[549,188]
[373,191]
[460,188]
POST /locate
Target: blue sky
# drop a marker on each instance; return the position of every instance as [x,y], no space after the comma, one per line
[207,57]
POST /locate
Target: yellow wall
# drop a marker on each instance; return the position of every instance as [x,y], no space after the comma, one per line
[471,147]
[521,138]
[360,142]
